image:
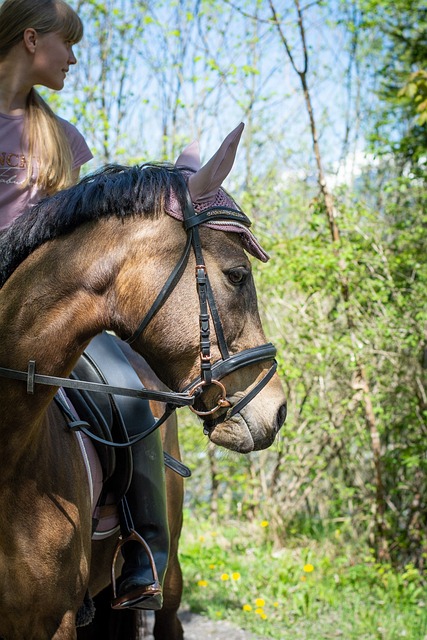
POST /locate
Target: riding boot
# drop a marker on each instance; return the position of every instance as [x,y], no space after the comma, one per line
[144,511]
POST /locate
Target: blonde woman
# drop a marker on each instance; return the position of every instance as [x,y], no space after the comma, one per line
[40,154]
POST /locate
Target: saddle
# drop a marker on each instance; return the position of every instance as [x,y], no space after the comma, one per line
[112,417]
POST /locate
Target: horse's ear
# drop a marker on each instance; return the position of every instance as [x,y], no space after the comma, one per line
[190,157]
[204,184]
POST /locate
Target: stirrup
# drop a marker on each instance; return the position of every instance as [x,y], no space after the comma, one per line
[145,597]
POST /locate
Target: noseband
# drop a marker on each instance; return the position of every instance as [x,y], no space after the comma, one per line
[210,373]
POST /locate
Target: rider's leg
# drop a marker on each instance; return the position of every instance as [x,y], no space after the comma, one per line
[146,496]
[146,499]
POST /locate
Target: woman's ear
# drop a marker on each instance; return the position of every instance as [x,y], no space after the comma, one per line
[30,39]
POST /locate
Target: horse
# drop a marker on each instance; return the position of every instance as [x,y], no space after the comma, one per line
[157,242]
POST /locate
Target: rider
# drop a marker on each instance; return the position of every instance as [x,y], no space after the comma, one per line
[40,154]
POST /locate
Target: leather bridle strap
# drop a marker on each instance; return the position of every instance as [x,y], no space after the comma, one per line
[212,373]
[236,408]
[235,361]
[192,222]
[206,299]
[165,292]
[32,378]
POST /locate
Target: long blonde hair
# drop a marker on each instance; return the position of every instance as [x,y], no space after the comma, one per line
[47,143]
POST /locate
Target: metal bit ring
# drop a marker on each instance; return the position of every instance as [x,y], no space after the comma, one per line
[221,402]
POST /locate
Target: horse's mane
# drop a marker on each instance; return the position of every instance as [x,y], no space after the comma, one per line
[115,190]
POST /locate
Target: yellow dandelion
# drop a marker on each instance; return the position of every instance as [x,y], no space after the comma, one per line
[247,607]
[308,568]
[225,577]
[275,604]
[203,583]
[212,566]
[264,523]
[259,611]
[214,534]
[235,575]
[259,602]
[303,578]
[263,616]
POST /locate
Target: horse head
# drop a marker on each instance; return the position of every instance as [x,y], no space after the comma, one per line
[223,356]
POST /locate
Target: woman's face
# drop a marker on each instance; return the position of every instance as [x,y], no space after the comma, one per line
[52,59]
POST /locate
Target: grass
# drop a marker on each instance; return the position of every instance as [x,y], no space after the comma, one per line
[308,590]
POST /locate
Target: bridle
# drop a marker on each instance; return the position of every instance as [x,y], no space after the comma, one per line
[210,373]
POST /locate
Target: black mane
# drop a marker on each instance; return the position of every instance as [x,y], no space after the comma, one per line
[113,191]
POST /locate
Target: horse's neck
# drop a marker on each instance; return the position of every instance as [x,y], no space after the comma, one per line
[104,275]
[43,316]
[49,310]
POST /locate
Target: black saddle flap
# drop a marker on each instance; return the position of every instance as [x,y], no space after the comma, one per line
[97,364]
[114,417]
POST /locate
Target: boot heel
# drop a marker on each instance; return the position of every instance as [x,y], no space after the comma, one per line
[149,597]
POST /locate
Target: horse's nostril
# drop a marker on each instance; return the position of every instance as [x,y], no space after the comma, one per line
[281,415]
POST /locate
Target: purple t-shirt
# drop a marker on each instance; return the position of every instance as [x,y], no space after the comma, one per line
[13,166]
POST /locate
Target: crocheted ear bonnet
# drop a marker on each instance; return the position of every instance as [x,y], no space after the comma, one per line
[204,185]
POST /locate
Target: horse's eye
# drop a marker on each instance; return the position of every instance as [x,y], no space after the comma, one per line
[238,275]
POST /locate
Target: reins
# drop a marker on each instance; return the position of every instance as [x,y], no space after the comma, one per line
[173,401]
[32,378]
[82,425]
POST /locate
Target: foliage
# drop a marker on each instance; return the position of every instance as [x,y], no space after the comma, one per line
[386,276]
[401,121]
[233,572]
[322,467]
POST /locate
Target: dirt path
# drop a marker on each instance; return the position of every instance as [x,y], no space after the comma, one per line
[199,628]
